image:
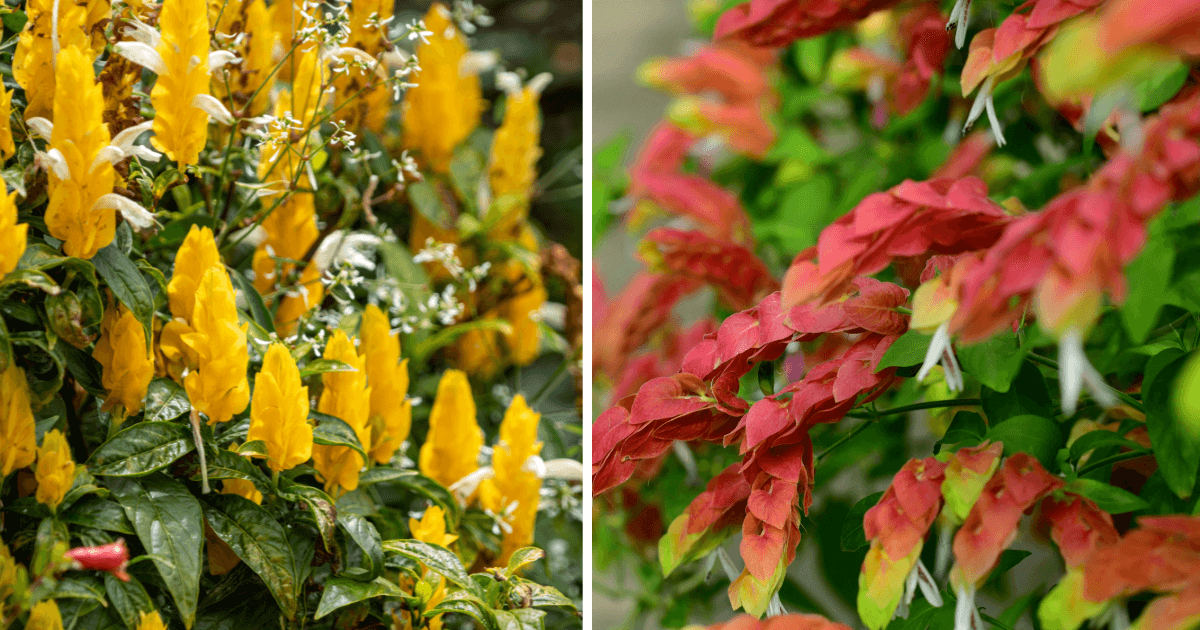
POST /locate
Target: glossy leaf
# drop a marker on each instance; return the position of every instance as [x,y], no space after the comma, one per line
[128,599]
[141,449]
[1110,499]
[1038,436]
[908,349]
[438,559]
[368,541]
[853,537]
[322,366]
[994,362]
[319,505]
[1176,451]
[166,400]
[341,592]
[259,540]
[127,284]
[97,513]
[522,557]
[333,431]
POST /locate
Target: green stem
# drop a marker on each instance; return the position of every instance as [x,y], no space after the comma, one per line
[930,404]
[552,382]
[849,436]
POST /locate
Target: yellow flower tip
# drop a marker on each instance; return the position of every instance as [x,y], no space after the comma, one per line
[18,438]
[447,103]
[79,135]
[218,387]
[181,128]
[197,253]
[128,365]
[346,396]
[514,491]
[33,60]
[237,82]
[451,447]
[301,299]
[513,165]
[44,616]
[243,488]
[388,378]
[525,339]
[151,621]
[7,148]
[55,469]
[12,234]
[432,528]
[279,411]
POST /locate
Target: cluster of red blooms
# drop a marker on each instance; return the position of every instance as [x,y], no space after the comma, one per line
[985,267]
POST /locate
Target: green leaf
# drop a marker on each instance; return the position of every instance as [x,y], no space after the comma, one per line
[909,349]
[994,362]
[853,537]
[1153,92]
[225,464]
[542,595]
[1110,499]
[382,474]
[424,198]
[368,560]
[1175,448]
[319,505]
[97,513]
[448,335]
[28,277]
[474,607]
[1147,287]
[519,619]
[168,521]
[129,599]
[340,592]
[141,449]
[414,482]
[1026,395]
[323,366]
[522,557]
[15,21]
[1099,438]
[258,309]
[677,547]
[86,370]
[1035,435]
[166,400]
[967,428]
[127,284]
[333,431]
[439,560]
[77,586]
[259,540]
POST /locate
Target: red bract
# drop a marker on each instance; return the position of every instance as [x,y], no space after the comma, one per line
[939,216]
[781,622]
[642,308]
[779,22]
[966,157]
[1078,527]
[1162,555]
[1175,25]
[739,277]
[113,558]
[663,360]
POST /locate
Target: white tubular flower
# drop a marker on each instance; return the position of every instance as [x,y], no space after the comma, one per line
[539,83]
[143,33]
[42,127]
[136,214]
[342,246]
[919,577]
[126,139]
[54,161]
[253,235]
[983,101]
[565,469]
[942,351]
[144,55]
[966,615]
[960,17]
[467,486]
[217,59]
[1075,372]
[475,62]
[211,106]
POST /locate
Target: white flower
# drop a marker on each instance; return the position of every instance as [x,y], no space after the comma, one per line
[1076,372]
[983,100]
[358,249]
[966,615]
[960,16]
[941,351]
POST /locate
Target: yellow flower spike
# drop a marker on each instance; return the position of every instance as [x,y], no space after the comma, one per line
[218,387]
[7,148]
[195,256]
[279,411]
[18,439]
[12,234]
[362,95]
[8,573]
[55,471]
[150,621]
[34,64]
[447,103]
[238,81]
[478,352]
[300,299]
[44,616]
[79,135]
[451,447]
[391,412]
[291,230]
[128,364]
[524,341]
[513,483]
[180,127]
[512,168]
[346,396]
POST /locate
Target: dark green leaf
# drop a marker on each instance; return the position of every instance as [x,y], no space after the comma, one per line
[129,599]
[168,521]
[1027,395]
[472,607]
[127,284]
[341,592]
[259,540]
[366,537]
[1147,287]
[319,505]
[166,400]
[994,362]
[258,309]
[80,586]
[141,449]
[967,428]
[1035,435]
[853,537]
[1110,499]
[1009,558]
[428,488]
[1099,438]
[333,431]
[33,278]
[15,21]
[908,349]
[86,370]
[225,464]
[381,475]
[542,595]
[99,514]
[438,559]
[322,366]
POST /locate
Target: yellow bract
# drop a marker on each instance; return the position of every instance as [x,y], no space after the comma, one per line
[246,83]
[7,148]
[34,59]
[446,104]
[279,411]
[197,254]
[18,440]
[55,471]
[44,616]
[452,444]
[512,169]
[346,396]
[218,387]
[513,484]
[150,621]
[12,234]
[391,411]
[127,362]
[361,89]
[432,528]
[181,128]
[79,135]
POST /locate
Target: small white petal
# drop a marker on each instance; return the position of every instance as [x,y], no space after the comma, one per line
[928,586]
[466,486]
[954,375]
[775,606]
[997,130]
[981,99]
[475,62]
[142,32]
[109,154]
[145,153]
[211,106]
[727,566]
[218,58]
[1071,362]
[937,347]
[136,214]
[510,82]
[535,465]
[253,235]
[127,137]
[42,127]
[964,609]
[538,84]
[53,161]
[565,469]
[964,18]
[143,55]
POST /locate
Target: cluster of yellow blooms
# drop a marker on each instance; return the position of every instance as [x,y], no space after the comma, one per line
[45,615]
